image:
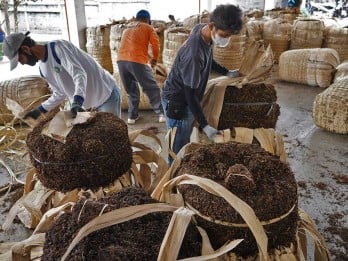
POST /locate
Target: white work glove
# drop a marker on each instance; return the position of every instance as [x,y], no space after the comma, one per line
[233,73]
[210,132]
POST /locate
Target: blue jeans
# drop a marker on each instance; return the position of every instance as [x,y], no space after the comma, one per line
[113,103]
[183,130]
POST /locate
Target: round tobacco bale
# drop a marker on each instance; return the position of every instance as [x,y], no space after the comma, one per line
[255,176]
[330,110]
[27,91]
[277,33]
[314,67]
[252,106]
[307,33]
[137,239]
[337,38]
[341,71]
[95,154]
[98,45]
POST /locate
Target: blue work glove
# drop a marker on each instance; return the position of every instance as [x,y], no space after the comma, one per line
[76,106]
[35,113]
[233,73]
[210,132]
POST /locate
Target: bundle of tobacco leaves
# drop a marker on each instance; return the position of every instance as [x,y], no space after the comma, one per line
[95,154]
[255,176]
[137,239]
[252,106]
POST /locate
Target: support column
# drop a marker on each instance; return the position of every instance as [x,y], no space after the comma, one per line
[76,22]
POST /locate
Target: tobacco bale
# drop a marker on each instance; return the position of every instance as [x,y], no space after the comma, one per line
[95,154]
[238,109]
[274,194]
[137,239]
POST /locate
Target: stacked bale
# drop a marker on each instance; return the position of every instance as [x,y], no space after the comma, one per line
[173,39]
[341,71]
[277,33]
[27,91]
[98,45]
[231,55]
[193,20]
[337,38]
[255,176]
[95,154]
[330,110]
[314,67]
[160,27]
[116,31]
[307,33]
[252,106]
[137,239]
[254,31]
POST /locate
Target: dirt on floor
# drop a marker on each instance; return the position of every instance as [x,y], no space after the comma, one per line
[318,158]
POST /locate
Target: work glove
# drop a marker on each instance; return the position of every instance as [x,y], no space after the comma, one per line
[233,73]
[210,132]
[35,113]
[75,108]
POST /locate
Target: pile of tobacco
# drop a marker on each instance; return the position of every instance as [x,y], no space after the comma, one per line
[95,154]
[254,175]
[252,106]
[137,239]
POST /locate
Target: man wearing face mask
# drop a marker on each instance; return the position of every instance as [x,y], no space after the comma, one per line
[187,80]
[70,72]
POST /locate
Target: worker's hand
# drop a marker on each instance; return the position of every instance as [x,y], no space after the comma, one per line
[210,132]
[153,63]
[233,73]
[75,108]
[35,113]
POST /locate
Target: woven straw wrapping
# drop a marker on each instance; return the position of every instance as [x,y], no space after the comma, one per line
[160,27]
[277,33]
[193,20]
[330,110]
[254,29]
[115,39]
[307,33]
[26,91]
[314,67]
[341,71]
[174,37]
[98,45]
[231,56]
[337,38]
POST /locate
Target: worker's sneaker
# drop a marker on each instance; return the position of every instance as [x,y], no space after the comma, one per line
[161,118]
[132,121]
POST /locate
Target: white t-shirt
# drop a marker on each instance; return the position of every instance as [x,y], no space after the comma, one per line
[77,74]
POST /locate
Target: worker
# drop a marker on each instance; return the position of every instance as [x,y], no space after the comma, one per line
[185,85]
[70,72]
[132,61]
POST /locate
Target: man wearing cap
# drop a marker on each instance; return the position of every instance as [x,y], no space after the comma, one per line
[70,72]
[185,85]
[132,60]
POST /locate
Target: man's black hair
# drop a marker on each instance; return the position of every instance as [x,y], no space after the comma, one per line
[227,18]
[28,41]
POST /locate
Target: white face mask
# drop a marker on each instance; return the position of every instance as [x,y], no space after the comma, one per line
[220,41]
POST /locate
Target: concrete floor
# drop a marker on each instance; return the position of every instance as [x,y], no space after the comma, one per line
[318,158]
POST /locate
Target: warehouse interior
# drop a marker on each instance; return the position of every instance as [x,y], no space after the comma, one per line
[301,57]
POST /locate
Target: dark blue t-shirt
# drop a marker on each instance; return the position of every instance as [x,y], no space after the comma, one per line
[191,67]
